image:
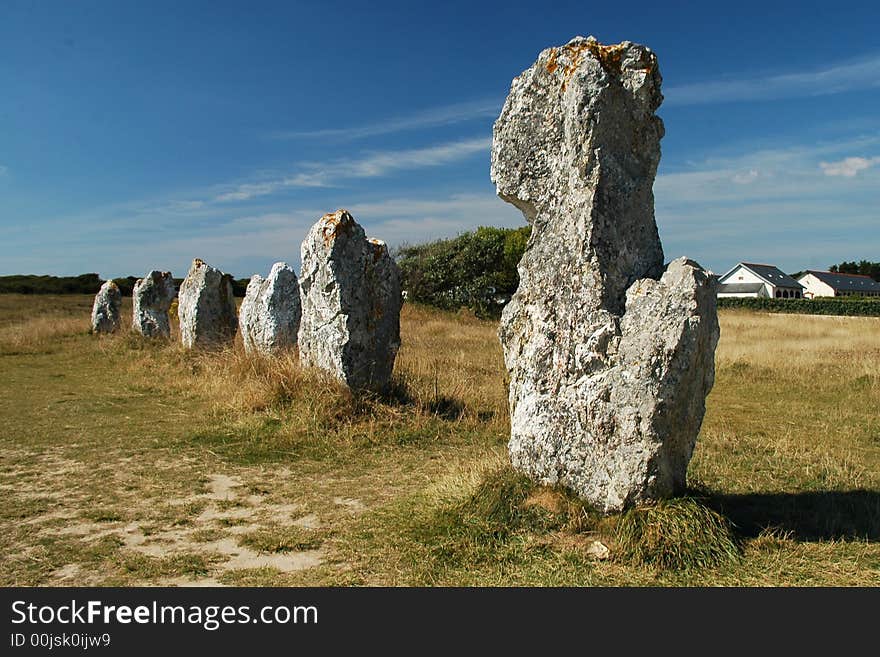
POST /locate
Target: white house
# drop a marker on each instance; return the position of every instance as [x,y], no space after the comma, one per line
[831,284]
[751,280]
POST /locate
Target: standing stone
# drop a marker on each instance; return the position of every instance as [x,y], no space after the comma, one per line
[152,297]
[610,358]
[105,309]
[351,300]
[270,312]
[206,307]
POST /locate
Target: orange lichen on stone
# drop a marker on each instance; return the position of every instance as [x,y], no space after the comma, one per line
[609,56]
[552,65]
[334,223]
[573,54]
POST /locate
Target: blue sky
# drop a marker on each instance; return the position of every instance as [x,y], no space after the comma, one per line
[136,136]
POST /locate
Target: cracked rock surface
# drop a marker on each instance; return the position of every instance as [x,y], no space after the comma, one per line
[351,300]
[105,309]
[610,356]
[206,307]
[151,299]
[270,313]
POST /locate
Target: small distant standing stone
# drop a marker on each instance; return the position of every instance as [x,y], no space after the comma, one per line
[152,297]
[105,310]
[206,307]
[270,312]
[351,300]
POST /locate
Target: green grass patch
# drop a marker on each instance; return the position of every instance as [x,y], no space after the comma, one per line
[25,508]
[281,539]
[102,515]
[266,576]
[178,515]
[177,565]
[206,535]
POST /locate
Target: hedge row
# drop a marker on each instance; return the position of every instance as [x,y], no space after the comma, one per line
[30,284]
[83,284]
[831,306]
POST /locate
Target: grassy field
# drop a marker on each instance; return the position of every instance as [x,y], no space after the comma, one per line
[128,462]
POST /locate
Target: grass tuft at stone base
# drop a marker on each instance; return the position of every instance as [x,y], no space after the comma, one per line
[677,534]
[507,509]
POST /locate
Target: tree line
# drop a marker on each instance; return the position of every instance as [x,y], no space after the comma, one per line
[863,267]
[83,284]
[475,270]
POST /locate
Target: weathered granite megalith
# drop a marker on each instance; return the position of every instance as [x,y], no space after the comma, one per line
[206,307]
[270,313]
[610,358]
[351,300]
[151,299]
[105,309]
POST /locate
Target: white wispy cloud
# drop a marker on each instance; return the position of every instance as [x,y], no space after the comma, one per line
[775,204]
[431,118]
[249,243]
[400,220]
[745,177]
[788,171]
[185,205]
[848,166]
[863,73]
[371,165]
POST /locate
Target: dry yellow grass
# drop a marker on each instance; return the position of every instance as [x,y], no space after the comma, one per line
[39,334]
[452,367]
[105,436]
[803,343]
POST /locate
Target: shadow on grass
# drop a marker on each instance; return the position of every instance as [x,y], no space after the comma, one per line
[808,516]
[447,408]
[399,394]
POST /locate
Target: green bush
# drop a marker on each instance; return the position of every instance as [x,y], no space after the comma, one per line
[239,286]
[852,306]
[125,285]
[475,270]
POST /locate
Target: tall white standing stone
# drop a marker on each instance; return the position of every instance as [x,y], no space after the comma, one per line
[610,358]
[105,309]
[351,300]
[270,313]
[151,299]
[206,307]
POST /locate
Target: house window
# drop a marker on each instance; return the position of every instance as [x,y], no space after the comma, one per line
[778,294]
